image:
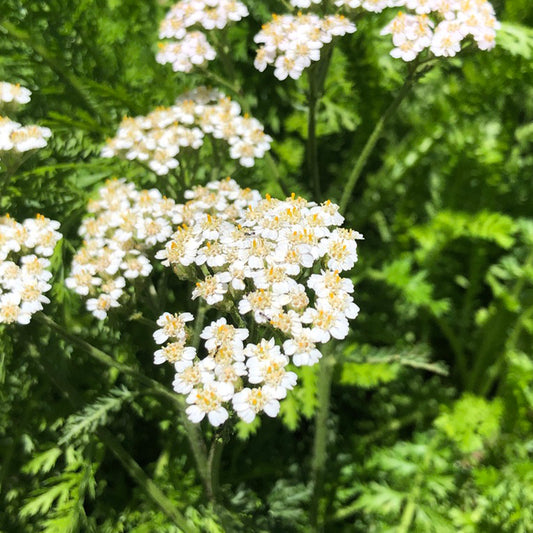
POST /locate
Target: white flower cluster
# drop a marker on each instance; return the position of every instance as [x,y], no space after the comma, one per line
[375,6]
[23,266]
[437,25]
[276,263]
[292,42]
[158,138]
[452,22]
[124,226]
[13,136]
[14,93]
[191,47]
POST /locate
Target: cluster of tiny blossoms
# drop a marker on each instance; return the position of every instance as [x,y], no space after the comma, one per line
[191,48]
[14,137]
[124,226]
[276,263]
[24,273]
[158,138]
[292,42]
[435,25]
[441,26]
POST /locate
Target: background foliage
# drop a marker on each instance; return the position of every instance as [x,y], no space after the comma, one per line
[431,416]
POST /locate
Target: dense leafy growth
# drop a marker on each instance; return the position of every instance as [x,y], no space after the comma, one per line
[425,410]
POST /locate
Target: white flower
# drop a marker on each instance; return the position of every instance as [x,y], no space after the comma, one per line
[11,311]
[100,306]
[248,402]
[271,372]
[325,323]
[177,353]
[220,332]
[172,326]
[208,401]
[14,93]
[302,348]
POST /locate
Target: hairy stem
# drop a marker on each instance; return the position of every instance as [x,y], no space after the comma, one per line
[147,485]
[317,79]
[318,465]
[376,135]
[192,431]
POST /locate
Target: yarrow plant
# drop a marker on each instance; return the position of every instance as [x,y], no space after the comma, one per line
[441,26]
[24,275]
[191,48]
[124,227]
[14,137]
[273,268]
[292,42]
[159,137]
[14,93]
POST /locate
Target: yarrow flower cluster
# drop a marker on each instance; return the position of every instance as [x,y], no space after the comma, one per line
[292,42]
[278,264]
[158,138]
[14,137]
[24,274]
[124,226]
[191,48]
[14,93]
[441,26]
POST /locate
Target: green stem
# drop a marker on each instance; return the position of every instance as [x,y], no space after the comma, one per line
[494,371]
[373,139]
[317,79]
[191,430]
[318,465]
[149,487]
[136,472]
[409,511]
[215,455]
[495,327]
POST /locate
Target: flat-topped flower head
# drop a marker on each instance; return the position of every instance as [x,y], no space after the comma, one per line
[292,42]
[123,228]
[24,274]
[255,261]
[183,22]
[162,137]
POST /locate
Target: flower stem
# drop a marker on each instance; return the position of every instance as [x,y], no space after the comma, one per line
[149,487]
[131,466]
[192,431]
[318,465]
[376,134]
[317,79]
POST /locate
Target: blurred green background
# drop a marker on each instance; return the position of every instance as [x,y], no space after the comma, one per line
[431,416]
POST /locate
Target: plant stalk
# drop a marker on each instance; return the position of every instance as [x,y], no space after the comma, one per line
[374,138]
[318,465]
[149,487]
[317,79]
[192,431]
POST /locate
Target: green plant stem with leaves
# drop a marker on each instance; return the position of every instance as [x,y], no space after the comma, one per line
[192,431]
[317,77]
[328,362]
[359,166]
[113,444]
[318,465]
[485,355]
